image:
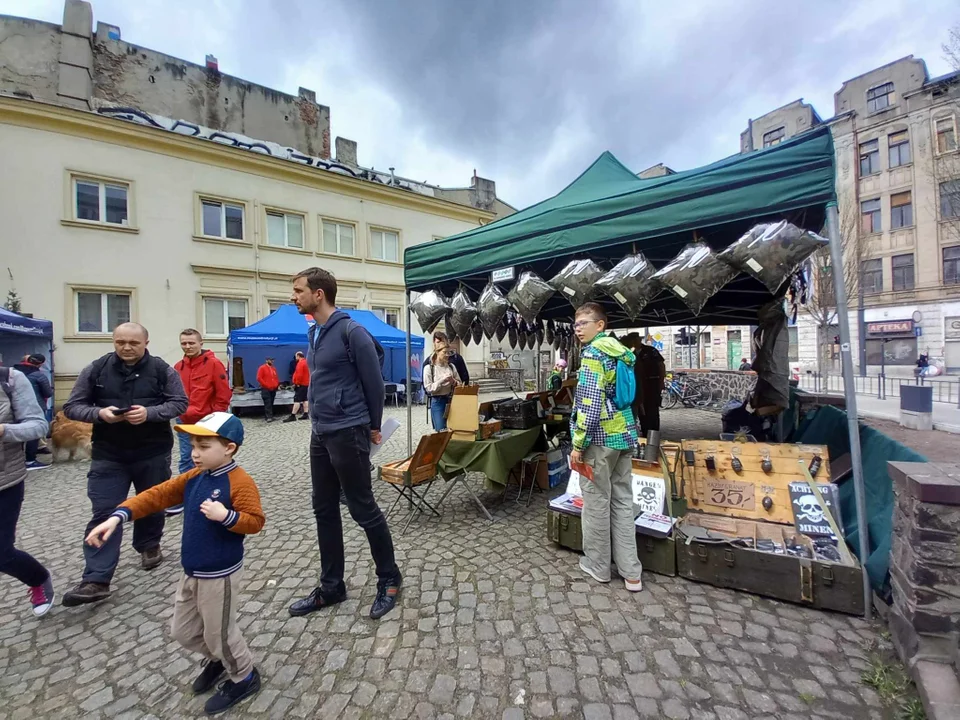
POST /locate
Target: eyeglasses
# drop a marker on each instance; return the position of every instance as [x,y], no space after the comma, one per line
[583,323]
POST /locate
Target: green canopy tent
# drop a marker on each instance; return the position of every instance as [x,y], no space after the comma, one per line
[608,212]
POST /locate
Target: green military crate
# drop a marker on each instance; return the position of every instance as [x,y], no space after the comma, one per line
[658,555]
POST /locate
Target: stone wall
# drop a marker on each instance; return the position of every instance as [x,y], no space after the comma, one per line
[511,377]
[925,562]
[721,386]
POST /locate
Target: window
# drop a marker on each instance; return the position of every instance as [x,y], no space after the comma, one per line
[950,200]
[100,202]
[774,137]
[284,230]
[903,272]
[385,245]
[870,157]
[794,345]
[951,265]
[391,316]
[221,219]
[872,276]
[100,312]
[880,97]
[899,145]
[220,316]
[338,238]
[870,217]
[901,210]
[946,135]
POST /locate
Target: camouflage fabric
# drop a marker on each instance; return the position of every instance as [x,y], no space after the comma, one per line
[596,420]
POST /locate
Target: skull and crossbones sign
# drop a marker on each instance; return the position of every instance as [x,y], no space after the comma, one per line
[809,509]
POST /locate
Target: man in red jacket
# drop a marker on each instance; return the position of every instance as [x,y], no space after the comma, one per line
[269,381]
[205,382]
[301,384]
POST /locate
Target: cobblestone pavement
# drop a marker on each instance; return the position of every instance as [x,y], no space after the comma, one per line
[494,622]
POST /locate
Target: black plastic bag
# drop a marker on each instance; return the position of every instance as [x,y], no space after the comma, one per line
[529,295]
[577,281]
[512,333]
[772,252]
[477,330]
[492,307]
[631,284]
[548,335]
[695,275]
[463,312]
[430,308]
[772,362]
[538,331]
[501,331]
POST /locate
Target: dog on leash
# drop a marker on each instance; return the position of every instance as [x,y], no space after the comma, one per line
[71,440]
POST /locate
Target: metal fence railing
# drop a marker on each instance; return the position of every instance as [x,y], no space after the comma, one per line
[879,386]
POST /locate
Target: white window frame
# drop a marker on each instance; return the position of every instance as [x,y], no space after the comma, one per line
[225,299]
[384,231]
[223,203]
[381,312]
[70,215]
[324,221]
[771,139]
[286,215]
[103,292]
[891,96]
[952,119]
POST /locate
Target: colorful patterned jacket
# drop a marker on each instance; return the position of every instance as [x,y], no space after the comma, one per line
[596,420]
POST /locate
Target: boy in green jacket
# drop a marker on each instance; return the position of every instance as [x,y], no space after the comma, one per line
[604,438]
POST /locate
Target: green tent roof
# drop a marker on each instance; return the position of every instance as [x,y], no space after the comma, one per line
[608,212]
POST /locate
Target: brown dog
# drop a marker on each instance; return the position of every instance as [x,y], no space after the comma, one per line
[70,439]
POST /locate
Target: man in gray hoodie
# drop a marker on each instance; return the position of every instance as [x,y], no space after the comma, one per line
[346,407]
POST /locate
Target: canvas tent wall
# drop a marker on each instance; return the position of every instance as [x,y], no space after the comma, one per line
[282,333]
[21,336]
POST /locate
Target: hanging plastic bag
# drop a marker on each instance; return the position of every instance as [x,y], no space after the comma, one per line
[577,281]
[492,306]
[548,335]
[529,295]
[430,308]
[522,335]
[772,252]
[477,331]
[538,331]
[463,311]
[512,333]
[631,284]
[501,331]
[695,275]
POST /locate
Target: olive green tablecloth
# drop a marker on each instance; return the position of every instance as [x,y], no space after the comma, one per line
[494,458]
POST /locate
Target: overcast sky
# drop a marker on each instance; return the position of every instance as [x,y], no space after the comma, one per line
[529,92]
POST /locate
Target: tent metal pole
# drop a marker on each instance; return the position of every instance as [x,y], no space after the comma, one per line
[853,427]
[409,380]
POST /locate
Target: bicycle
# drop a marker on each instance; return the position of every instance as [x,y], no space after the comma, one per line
[676,391]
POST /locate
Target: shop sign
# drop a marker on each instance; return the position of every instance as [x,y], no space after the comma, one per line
[890,327]
[952,328]
[502,275]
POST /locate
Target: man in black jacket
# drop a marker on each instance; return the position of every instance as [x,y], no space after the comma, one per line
[44,391]
[130,396]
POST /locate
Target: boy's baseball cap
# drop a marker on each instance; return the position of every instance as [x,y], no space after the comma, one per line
[218,424]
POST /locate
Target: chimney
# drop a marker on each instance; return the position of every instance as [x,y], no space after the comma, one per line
[483,192]
[212,63]
[346,151]
[308,95]
[393,178]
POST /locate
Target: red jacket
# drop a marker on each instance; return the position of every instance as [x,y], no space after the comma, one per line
[301,376]
[205,382]
[267,377]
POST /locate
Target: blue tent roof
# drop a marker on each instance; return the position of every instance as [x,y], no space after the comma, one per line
[20,325]
[286,326]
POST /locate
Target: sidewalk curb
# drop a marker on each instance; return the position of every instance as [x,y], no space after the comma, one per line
[873,414]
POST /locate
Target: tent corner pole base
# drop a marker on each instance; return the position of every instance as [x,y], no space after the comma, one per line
[409,392]
[850,395]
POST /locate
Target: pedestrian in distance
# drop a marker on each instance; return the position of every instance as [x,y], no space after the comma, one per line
[222,506]
[301,383]
[205,382]
[130,397]
[21,421]
[269,381]
[346,408]
[43,389]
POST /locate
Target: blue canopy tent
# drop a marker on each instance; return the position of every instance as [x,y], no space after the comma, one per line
[20,335]
[282,333]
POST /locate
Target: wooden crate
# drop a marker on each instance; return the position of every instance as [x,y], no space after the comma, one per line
[814,582]
[723,491]
[421,466]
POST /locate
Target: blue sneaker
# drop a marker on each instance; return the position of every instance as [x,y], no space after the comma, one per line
[36,465]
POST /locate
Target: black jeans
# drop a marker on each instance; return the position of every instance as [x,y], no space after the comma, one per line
[108,484]
[30,449]
[13,562]
[268,396]
[341,459]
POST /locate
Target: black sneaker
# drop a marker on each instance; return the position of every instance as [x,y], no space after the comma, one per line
[304,416]
[230,693]
[149,559]
[175,510]
[386,598]
[316,600]
[86,592]
[212,671]
[343,497]
[290,418]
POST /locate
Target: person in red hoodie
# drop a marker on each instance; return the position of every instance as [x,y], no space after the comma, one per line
[301,384]
[208,391]
[269,381]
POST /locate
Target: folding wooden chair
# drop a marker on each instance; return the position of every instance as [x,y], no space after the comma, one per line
[412,478]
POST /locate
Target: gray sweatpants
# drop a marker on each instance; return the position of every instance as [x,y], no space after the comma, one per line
[608,513]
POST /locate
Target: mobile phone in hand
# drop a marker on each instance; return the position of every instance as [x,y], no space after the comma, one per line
[121,411]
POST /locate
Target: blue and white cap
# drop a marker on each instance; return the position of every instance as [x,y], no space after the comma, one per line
[218,424]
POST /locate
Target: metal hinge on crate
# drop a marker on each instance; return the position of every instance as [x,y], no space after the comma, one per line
[806,580]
